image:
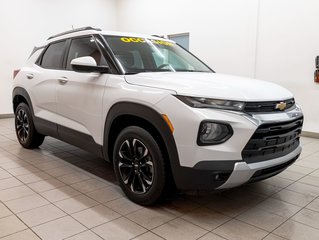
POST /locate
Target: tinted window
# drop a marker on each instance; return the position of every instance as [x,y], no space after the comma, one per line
[53,56]
[83,47]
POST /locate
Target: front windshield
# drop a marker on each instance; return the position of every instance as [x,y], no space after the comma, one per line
[137,55]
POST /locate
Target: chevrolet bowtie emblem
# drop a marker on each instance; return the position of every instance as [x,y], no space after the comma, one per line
[281,106]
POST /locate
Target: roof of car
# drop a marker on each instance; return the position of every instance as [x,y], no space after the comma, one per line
[90,31]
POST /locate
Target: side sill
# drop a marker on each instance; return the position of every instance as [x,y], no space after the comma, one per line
[81,140]
[73,137]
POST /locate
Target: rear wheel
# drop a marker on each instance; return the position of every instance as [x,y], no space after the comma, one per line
[26,133]
[139,165]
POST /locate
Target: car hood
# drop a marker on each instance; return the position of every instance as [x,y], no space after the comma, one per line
[212,85]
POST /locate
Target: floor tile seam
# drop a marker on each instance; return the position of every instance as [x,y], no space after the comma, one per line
[290,219]
[219,225]
[11,234]
[149,231]
[24,224]
[76,195]
[286,188]
[80,170]
[316,198]
[214,234]
[66,215]
[28,195]
[33,208]
[275,235]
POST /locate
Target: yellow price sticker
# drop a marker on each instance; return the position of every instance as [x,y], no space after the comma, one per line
[142,40]
[162,42]
[131,39]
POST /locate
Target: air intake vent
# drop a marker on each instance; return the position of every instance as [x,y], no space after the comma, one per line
[272,141]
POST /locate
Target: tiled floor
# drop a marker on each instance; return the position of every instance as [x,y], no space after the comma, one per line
[62,192]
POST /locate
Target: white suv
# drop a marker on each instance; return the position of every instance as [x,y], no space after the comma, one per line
[159,114]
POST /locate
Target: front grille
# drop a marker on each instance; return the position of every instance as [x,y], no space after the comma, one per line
[273,140]
[267,107]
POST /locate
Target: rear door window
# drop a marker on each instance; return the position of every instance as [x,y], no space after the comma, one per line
[53,56]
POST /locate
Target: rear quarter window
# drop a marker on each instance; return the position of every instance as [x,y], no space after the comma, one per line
[35,55]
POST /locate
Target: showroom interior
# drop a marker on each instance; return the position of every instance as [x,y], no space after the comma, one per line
[60,191]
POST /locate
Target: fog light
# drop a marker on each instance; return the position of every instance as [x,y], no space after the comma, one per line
[211,133]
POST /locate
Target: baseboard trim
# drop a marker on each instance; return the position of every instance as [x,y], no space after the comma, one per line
[10,115]
[310,134]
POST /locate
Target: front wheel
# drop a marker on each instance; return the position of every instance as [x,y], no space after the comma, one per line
[26,133]
[139,165]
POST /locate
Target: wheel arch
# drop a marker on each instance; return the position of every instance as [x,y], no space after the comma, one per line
[126,114]
[19,95]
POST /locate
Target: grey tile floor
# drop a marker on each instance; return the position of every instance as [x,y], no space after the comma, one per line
[62,192]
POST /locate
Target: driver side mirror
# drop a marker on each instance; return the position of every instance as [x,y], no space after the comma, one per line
[87,64]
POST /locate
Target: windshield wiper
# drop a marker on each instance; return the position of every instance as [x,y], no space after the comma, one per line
[131,73]
[184,70]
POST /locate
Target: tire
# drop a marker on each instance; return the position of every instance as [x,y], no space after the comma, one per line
[26,133]
[139,166]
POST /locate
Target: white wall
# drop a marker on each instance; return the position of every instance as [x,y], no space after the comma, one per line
[222,33]
[26,23]
[288,42]
[274,41]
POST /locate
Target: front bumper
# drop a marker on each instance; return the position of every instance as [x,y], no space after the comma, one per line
[249,155]
[215,175]
[244,172]
[271,149]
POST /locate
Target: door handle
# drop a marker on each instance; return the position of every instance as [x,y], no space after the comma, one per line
[29,75]
[63,80]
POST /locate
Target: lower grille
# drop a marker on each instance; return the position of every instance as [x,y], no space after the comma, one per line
[272,171]
[272,141]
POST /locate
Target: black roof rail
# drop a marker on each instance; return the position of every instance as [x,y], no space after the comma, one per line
[73,31]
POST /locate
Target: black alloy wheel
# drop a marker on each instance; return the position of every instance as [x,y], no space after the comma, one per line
[26,133]
[139,165]
[136,166]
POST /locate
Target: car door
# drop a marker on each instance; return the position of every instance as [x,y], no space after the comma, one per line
[44,76]
[79,95]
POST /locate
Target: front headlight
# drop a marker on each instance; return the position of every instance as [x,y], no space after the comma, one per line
[200,102]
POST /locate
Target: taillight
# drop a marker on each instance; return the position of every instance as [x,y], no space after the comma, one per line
[15,73]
